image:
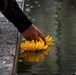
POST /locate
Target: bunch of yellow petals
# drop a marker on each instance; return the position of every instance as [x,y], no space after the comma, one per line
[38,45]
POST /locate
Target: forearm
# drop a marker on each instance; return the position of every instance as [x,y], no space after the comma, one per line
[17,17]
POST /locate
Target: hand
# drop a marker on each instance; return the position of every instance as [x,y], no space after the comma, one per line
[33,33]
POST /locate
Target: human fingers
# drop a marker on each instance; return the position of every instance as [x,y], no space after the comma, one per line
[29,38]
[41,35]
[36,38]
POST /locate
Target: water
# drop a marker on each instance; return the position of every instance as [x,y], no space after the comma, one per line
[58,19]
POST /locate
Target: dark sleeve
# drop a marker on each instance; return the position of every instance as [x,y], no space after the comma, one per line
[17,17]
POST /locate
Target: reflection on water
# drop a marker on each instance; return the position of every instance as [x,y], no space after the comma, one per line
[32,59]
[57,18]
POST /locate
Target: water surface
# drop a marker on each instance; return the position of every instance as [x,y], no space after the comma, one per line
[58,19]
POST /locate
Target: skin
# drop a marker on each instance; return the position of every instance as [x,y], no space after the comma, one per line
[33,33]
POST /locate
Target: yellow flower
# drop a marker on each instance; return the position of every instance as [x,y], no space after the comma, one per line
[38,45]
